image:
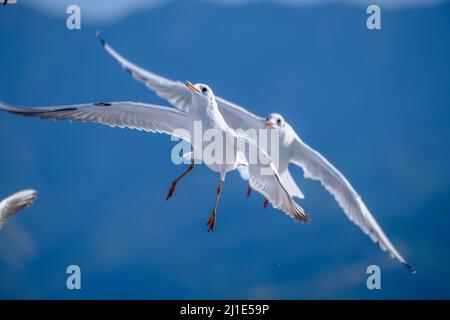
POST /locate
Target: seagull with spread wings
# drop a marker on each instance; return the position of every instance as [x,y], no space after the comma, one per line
[202,108]
[292,149]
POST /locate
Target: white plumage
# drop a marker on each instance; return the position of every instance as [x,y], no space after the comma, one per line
[14,203]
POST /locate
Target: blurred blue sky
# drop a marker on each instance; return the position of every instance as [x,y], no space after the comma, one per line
[375,103]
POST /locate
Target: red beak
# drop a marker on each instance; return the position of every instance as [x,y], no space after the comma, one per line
[269,123]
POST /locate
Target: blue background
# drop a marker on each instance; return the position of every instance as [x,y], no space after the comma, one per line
[375,103]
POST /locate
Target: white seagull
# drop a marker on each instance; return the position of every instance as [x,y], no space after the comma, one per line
[13,204]
[291,150]
[202,108]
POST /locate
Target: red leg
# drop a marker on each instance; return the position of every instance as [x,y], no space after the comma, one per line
[249,190]
[212,219]
[175,182]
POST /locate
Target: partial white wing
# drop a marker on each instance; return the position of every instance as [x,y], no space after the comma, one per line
[286,179]
[179,96]
[243,172]
[290,185]
[264,178]
[237,117]
[317,167]
[18,201]
[133,115]
[173,91]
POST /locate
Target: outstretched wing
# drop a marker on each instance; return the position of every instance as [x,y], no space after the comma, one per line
[316,167]
[238,117]
[133,115]
[179,96]
[264,178]
[173,91]
[13,204]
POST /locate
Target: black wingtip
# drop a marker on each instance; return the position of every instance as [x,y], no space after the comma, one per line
[103,104]
[410,268]
[100,38]
[303,216]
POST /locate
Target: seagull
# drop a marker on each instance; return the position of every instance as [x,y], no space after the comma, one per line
[203,108]
[292,149]
[14,203]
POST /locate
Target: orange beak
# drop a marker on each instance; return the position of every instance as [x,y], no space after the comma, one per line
[269,123]
[191,87]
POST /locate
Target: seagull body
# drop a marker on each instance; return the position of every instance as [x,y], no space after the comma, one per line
[204,110]
[292,149]
[14,203]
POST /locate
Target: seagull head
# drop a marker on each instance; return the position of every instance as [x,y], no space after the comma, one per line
[275,121]
[201,90]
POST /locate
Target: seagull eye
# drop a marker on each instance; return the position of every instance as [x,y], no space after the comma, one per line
[205,90]
[279,121]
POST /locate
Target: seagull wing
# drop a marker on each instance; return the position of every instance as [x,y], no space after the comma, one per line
[179,96]
[238,117]
[133,115]
[18,201]
[290,184]
[173,91]
[264,178]
[316,167]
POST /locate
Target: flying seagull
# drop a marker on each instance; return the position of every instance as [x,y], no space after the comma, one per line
[202,108]
[292,149]
[13,204]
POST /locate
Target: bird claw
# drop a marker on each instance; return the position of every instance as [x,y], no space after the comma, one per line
[171,190]
[211,222]
[266,203]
